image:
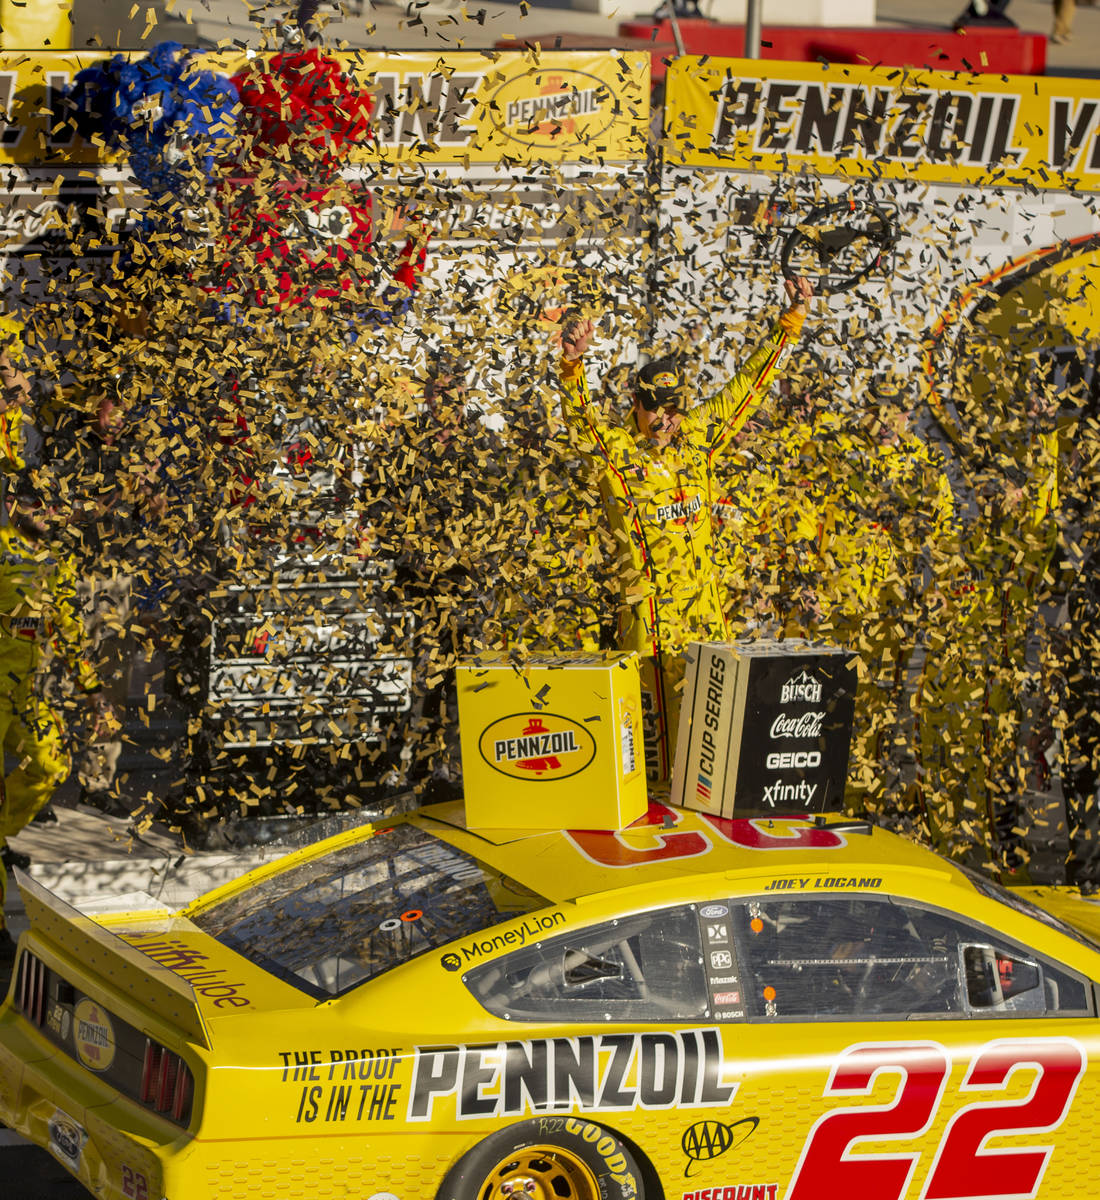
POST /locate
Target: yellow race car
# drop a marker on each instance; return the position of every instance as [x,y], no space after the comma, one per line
[692,1009]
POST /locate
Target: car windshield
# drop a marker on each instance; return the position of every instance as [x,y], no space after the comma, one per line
[1022,905]
[334,922]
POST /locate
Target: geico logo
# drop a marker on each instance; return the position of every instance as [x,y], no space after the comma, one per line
[793,759]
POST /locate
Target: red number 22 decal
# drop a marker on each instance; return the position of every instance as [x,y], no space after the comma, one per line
[961,1169]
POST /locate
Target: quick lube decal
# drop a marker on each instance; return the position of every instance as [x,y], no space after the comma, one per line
[590,1074]
[190,964]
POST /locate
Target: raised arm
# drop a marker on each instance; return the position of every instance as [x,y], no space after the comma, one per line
[595,435]
[727,411]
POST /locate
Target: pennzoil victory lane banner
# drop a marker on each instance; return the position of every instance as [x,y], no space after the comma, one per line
[990,181]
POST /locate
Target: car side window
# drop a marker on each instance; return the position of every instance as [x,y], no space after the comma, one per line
[853,957]
[646,967]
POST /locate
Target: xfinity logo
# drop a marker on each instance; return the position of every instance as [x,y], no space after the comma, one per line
[808,725]
[793,759]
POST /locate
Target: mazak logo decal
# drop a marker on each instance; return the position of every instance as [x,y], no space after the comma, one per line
[802,686]
[537,746]
[552,108]
[93,1035]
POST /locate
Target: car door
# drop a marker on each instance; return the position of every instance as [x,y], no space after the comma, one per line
[886,1049]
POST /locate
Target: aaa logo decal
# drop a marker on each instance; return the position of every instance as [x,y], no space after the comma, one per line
[552,108]
[537,746]
[706,1140]
[93,1035]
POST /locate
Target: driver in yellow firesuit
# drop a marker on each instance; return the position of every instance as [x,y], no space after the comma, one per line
[658,489]
[38,609]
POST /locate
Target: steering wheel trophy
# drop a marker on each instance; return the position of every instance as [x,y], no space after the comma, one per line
[839,245]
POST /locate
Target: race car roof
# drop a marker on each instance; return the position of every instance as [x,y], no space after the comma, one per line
[672,843]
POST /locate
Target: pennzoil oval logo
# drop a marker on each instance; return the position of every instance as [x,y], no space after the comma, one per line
[93,1035]
[537,746]
[552,107]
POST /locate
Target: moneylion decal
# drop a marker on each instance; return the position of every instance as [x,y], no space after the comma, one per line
[512,939]
[552,107]
[537,746]
[604,1073]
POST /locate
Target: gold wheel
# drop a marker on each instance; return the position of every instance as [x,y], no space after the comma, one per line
[540,1173]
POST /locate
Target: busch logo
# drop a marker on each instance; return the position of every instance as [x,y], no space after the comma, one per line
[806,725]
[802,686]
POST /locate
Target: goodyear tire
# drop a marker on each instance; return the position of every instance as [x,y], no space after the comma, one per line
[547,1158]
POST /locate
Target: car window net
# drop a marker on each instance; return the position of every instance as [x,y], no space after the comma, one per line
[332,923]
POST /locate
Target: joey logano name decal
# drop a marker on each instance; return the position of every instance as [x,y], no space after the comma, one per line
[594,1074]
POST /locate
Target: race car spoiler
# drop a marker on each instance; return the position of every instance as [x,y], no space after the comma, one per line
[150,985]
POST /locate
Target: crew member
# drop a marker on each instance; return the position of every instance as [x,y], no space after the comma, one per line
[658,491]
[37,608]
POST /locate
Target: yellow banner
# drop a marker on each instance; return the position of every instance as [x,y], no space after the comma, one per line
[463,107]
[864,122]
